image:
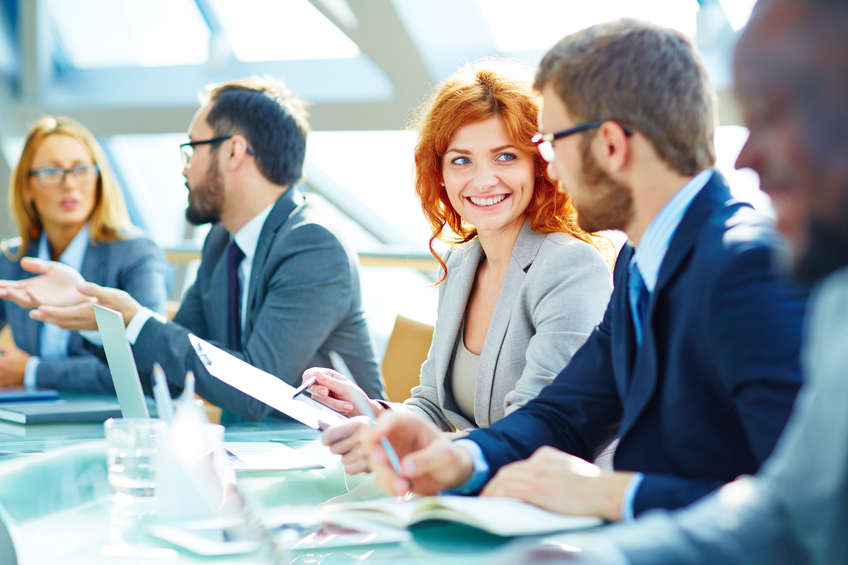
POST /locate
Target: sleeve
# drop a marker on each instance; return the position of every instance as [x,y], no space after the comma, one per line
[578,413]
[761,377]
[425,396]
[572,290]
[308,295]
[792,512]
[141,274]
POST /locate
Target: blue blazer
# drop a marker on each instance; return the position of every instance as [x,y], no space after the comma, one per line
[135,265]
[709,391]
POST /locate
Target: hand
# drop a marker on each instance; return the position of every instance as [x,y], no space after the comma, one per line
[81,316]
[343,439]
[561,483]
[56,285]
[12,366]
[429,460]
[335,391]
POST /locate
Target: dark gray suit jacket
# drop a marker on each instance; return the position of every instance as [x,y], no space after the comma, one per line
[134,265]
[303,301]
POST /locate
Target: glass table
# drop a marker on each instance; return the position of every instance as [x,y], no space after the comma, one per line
[57,505]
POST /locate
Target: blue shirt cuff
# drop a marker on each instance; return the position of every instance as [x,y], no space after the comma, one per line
[629,497]
[30,370]
[479,473]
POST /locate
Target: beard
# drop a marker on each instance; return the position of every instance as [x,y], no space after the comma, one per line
[207,198]
[610,204]
[826,251]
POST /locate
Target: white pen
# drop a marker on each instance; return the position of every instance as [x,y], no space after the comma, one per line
[164,407]
[361,403]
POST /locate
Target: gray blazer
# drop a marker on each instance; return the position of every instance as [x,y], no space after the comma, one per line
[554,293]
[795,510]
[303,301]
[135,265]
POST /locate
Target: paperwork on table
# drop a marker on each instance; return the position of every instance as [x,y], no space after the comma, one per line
[263,386]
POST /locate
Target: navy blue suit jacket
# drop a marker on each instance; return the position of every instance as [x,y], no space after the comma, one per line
[709,391]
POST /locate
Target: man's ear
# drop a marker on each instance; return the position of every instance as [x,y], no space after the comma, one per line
[238,152]
[612,146]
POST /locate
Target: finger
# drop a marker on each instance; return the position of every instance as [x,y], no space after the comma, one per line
[33,265]
[339,432]
[347,445]
[387,480]
[340,406]
[358,466]
[94,290]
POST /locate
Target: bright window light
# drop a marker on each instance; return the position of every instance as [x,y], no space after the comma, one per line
[738,12]
[281,30]
[146,33]
[375,167]
[539,24]
[745,183]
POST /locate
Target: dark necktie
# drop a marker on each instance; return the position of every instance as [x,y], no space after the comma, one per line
[234,258]
[638,294]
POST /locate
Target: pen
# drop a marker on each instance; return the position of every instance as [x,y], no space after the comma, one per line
[164,407]
[362,405]
[302,388]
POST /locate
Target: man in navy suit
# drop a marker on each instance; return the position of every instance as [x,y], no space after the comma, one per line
[695,365]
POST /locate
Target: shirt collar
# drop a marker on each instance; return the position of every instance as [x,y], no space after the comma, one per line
[654,245]
[247,238]
[74,253]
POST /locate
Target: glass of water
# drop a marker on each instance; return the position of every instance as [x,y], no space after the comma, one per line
[130,455]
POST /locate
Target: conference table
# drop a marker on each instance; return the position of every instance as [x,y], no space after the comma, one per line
[57,507]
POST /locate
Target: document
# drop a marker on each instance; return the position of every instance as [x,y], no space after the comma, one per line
[504,517]
[264,456]
[264,386]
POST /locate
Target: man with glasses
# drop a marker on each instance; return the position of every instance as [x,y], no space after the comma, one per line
[275,286]
[695,365]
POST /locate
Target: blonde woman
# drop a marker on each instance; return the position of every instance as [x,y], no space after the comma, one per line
[68,208]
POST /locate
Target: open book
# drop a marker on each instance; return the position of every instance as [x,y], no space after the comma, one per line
[499,516]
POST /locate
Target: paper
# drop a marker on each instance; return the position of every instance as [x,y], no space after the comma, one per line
[263,386]
[262,456]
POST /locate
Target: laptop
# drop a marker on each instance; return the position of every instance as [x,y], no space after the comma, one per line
[119,355]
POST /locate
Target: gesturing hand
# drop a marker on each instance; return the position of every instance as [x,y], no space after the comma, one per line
[56,285]
[81,316]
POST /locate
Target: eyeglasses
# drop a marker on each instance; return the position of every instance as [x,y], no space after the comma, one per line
[187,149]
[51,177]
[544,141]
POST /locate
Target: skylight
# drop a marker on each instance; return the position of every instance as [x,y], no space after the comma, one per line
[146,33]
[738,12]
[539,24]
[281,30]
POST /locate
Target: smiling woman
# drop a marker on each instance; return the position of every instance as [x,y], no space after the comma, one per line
[523,286]
[68,208]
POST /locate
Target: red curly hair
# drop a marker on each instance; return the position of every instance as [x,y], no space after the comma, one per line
[476,92]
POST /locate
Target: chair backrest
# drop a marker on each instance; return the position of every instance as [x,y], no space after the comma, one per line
[6,336]
[406,351]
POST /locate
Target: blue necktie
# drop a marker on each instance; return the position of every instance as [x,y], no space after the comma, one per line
[638,294]
[234,258]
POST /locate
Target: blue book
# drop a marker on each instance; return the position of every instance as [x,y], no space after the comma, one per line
[59,411]
[22,394]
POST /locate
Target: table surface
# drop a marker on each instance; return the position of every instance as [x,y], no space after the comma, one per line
[56,502]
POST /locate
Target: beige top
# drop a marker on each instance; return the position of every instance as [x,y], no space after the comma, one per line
[464,376]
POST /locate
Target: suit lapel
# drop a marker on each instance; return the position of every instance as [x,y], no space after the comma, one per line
[523,252]
[451,313]
[286,204]
[644,375]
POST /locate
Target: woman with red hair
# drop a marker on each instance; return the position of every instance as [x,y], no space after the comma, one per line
[522,287]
